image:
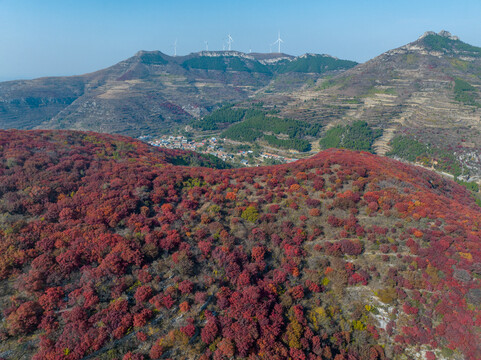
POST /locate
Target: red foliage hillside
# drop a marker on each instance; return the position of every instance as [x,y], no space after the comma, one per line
[109,251]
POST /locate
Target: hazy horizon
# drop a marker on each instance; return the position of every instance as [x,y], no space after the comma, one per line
[62,38]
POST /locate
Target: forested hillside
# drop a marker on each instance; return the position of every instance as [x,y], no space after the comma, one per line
[109,251]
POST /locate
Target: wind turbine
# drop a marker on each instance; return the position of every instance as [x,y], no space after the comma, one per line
[278,42]
[206,45]
[229,41]
[175,47]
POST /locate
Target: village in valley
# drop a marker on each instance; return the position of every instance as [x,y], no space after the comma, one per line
[225,149]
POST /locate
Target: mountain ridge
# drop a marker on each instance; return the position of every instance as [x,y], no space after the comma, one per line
[427,91]
[415,90]
[439,44]
[150,90]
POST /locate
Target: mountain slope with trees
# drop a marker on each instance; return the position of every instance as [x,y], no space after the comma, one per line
[109,251]
[428,89]
[151,92]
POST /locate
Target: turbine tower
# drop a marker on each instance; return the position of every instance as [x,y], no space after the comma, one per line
[229,41]
[175,47]
[206,45]
[278,42]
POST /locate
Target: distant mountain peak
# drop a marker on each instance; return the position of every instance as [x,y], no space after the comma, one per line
[442,33]
[154,57]
[446,44]
[143,52]
[306,55]
[447,34]
[439,44]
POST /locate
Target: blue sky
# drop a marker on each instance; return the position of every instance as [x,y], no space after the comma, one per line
[66,37]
